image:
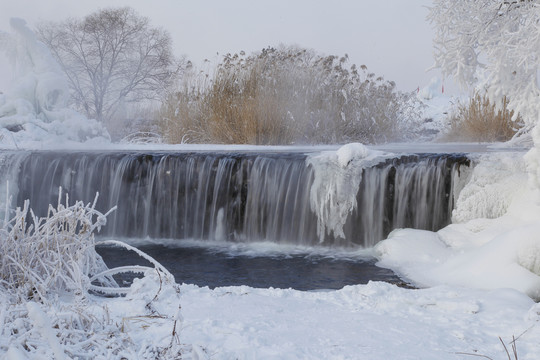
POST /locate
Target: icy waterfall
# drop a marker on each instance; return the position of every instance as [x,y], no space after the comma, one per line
[238,196]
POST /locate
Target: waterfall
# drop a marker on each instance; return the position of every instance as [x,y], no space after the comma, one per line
[414,191]
[242,196]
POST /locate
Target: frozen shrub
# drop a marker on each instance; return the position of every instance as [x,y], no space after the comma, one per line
[52,254]
[284,96]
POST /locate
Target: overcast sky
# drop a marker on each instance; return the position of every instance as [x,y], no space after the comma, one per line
[391,37]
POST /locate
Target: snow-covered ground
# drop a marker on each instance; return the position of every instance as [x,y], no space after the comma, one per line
[373,321]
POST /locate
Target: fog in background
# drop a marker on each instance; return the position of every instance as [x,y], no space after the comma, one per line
[391,37]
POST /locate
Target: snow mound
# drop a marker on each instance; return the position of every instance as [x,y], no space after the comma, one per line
[432,90]
[35,108]
[494,245]
[496,181]
[509,260]
[351,152]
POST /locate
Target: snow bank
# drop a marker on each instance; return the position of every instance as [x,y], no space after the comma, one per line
[509,260]
[35,108]
[337,176]
[436,108]
[493,244]
[432,90]
[497,180]
[373,321]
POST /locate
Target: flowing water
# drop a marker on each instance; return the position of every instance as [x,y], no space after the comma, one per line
[206,266]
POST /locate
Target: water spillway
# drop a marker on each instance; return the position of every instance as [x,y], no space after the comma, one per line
[243,196]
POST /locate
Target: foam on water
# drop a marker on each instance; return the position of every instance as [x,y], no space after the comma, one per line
[259,249]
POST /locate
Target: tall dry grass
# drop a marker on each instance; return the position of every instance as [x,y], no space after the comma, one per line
[284,96]
[483,121]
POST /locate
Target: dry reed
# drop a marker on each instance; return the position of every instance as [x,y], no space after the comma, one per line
[483,121]
[284,96]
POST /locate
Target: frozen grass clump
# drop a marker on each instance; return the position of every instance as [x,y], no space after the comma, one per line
[51,282]
[52,254]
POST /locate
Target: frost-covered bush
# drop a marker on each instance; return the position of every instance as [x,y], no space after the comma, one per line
[48,255]
[50,274]
[481,120]
[288,95]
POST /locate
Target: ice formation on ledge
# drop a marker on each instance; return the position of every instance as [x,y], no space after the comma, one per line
[337,176]
[35,108]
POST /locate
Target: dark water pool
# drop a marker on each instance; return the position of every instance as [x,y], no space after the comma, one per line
[206,267]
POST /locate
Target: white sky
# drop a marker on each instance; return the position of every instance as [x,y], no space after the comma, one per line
[391,37]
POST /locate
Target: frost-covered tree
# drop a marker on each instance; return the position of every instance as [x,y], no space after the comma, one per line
[111,57]
[494,45]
